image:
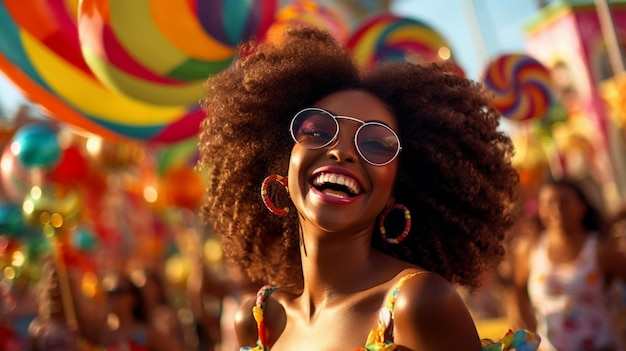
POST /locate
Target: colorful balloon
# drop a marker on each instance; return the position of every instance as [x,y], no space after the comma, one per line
[183,187]
[11,221]
[36,145]
[73,166]
[143,62]
[520,86]
[388,37]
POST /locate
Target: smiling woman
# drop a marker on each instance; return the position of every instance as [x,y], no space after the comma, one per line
[386,190]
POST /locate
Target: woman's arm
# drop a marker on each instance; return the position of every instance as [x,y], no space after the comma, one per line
[430,315]
[611,259]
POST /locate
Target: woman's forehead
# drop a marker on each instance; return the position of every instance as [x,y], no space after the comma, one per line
[357,104]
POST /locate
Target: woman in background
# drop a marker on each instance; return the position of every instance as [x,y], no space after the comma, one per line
[562,274]
[56,327]
[129,328]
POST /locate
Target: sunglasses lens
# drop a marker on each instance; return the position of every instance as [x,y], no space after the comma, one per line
[313,128]
[377,143]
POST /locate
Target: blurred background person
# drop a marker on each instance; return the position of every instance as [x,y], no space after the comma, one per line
[562,273]
[617,230]
[160,313]
[214,297]
[128,325]
[56,327]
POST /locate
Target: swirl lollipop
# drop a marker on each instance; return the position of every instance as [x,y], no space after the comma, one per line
[520,86]
[388,37]
[124,69]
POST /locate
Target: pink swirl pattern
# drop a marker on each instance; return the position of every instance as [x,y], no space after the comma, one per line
[521,86]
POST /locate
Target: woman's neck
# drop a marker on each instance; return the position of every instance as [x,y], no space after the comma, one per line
[334,268]
[567,234]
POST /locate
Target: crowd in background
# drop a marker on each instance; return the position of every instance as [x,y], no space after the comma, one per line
[137,308]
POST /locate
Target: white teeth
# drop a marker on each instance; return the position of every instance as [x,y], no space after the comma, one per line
[339,179]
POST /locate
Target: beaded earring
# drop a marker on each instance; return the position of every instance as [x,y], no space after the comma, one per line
[407,225]
[266,199]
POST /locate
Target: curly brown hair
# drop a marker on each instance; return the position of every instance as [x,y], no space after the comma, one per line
[454,171]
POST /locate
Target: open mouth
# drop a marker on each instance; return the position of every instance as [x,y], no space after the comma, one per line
[336,185]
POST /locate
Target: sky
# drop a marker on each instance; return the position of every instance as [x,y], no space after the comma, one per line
[477,30]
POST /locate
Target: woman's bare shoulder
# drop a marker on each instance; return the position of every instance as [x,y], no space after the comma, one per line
[245,324]
[427,308]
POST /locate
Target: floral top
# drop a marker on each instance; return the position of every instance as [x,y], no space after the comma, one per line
[570,300]
[381,337]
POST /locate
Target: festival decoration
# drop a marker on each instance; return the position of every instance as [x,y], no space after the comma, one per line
[183,187]
[11,221]
[143,62]
[520,86]
[51,207]
[15,179]
[181,154]
[312,13]
[388,37]
[613,91]
[521,340]
[142,48]
[83,238]
[72,168]
[36,145]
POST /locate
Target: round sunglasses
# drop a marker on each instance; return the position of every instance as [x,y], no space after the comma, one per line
[316,128]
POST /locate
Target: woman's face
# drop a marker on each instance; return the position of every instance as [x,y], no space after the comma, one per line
[333,187]
[560,208]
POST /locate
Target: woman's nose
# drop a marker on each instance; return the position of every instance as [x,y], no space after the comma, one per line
[343,149]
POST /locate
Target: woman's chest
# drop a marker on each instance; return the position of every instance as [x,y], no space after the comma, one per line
[345,326]
[336,331]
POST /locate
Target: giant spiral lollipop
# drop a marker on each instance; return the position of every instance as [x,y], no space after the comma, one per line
[124,68]
[520,86]
[388,37]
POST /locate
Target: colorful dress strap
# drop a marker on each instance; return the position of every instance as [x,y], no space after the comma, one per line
[257,312]
[381,338]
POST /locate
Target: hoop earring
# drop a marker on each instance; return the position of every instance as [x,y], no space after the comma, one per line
[407,225]
[266,199]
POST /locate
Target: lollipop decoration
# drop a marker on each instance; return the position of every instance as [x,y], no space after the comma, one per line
[121,68]
[142,48]
[389,37]
[520,85]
